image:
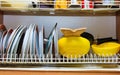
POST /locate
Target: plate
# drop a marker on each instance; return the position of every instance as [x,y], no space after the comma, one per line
[1,32]
[50,39]
[1,43]
[40,50]
[10,42]
[26,44]
[16,42]
[36,42]
[5,41]
[19,49]
[32,42]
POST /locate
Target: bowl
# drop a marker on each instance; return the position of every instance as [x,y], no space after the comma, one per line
[73,47]
[106,49]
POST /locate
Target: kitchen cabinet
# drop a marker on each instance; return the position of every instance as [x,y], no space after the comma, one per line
[63,12]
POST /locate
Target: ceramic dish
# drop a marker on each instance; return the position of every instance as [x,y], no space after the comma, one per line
[10,42]
[50,38]
[1,44]
[1,32]
[19,49]
[40,51]
[16,42]
[31,42]
[5,41]
[26,44]
[50,52]
[36,42]
[2,38]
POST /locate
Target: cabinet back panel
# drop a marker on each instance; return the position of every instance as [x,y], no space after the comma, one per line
[99,26]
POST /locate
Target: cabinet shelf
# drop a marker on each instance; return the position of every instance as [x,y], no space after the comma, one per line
[62,12]
[26,8]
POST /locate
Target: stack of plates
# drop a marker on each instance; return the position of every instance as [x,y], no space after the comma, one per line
[26,43]
[13,42]
[51,45]
[2,35]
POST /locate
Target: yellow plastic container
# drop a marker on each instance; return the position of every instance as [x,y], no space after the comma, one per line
[106,49]
[73,47]
[60,4]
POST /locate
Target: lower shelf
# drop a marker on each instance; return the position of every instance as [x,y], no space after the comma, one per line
[85,67]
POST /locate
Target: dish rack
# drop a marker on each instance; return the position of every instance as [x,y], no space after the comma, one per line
[57,59]
[89,58]
[50,4]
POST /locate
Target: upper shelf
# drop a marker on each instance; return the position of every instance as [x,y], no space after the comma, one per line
[60,7]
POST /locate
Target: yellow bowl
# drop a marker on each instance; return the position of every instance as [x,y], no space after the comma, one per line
[73,47]
[106,49]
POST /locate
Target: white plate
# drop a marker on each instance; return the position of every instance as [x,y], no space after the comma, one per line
[10,41]
[50,39]
[40,50]
[32,42]
[25,40]
[36,42]
[5,41]
[13,43]
[26,44]
[1,32]
[1,43]
[16,42]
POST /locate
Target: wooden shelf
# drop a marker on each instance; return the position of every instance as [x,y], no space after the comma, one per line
[61,12]
[21,7]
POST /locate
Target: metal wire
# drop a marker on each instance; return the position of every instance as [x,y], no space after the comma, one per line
[39,3]
[88,58]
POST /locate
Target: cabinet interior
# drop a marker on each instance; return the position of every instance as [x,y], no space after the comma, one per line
[65,12]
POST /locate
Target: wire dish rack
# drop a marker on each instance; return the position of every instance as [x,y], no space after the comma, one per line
[57,59]
[52,58]
[58,4]
[58,7]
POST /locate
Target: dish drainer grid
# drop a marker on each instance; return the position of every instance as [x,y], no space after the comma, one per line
[28,4]
[88,58]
